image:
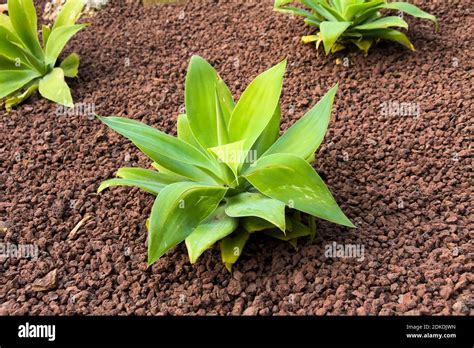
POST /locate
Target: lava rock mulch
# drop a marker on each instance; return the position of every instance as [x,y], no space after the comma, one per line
[404,176]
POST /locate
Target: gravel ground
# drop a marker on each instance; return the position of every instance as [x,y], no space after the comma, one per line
[404,177]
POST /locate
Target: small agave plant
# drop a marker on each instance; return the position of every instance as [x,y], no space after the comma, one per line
[25,64]
[228,174]
[359,22]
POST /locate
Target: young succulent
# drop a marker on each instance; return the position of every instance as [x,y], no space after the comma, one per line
[228,174]
[25,64]
[359,22]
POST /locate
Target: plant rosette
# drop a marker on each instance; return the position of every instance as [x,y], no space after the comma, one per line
[340,23]
[228,174]
[26,65]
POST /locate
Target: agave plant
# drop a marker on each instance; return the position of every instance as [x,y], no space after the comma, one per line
[25,64]
[358,22]
[228,174]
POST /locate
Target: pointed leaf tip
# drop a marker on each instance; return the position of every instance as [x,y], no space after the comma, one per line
[282,65]
[196,57]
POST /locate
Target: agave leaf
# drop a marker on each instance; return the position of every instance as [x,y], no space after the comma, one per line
[322,9]
[12,80]
[292,180]
[226,101]
[45,32]
[152,141]
[364,44]
[294,243]
[22,14]
[200,100]
[346,3]
[255,204]
[412,10]
[352,34]
[148,180]
[295,230]
[7,23]
[172,166]
[256,106]
[368,15]
[185,133]
[221,123]
[337,47]
[399,6]
[265,140]
[16,99]
[10,49]
[216,227]
[383,23]
[70,65]
[335,3]
[282,7]
[313,22]
[310,38]
[147,186]
[280,3]
[269,135]
[331,31]
[305,136]
[8,64]
[232,247]
[336,13]
[69,13]
[54,88]
[170,173]
[231,154]
[356,9]
[298,12]
[318,43]
[392,35]
[178,209]
[145,175]
[58,38]
[254,224]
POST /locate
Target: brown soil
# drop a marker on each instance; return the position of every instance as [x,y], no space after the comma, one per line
[406,181]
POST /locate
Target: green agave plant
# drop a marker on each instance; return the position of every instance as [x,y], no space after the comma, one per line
[25,64]
[228,174]
[358,22]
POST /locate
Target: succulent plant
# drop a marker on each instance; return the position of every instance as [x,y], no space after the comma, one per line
[27,66]
[358,22]
[228,174]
